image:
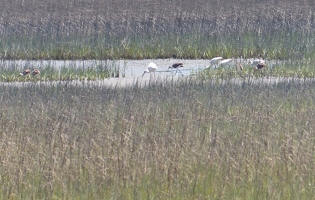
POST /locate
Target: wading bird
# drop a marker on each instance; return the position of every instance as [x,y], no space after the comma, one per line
[176,66]
[257,61]
[35,72]
[214,61]
[225,62]
[25,72]
[260,66]
[152,67]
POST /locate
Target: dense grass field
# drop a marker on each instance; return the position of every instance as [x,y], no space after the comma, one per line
[223,134]
[188,140]
[77,29]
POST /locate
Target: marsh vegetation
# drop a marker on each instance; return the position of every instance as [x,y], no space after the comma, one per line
[200,138]
[188,140]
[150,29]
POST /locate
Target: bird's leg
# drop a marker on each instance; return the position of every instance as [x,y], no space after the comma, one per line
[180,72]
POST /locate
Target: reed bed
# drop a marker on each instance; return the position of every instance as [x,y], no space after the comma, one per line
[59,71]
[175,140]
[275,68]
[151,29]
[199,138]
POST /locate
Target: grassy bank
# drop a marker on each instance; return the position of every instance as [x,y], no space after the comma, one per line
[193,140]
[151,29]
[62,71]
[100,70]
[194,45]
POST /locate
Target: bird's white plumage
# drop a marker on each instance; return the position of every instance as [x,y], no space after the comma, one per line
[225,62]
[152,67]
[257,61]
[214,61]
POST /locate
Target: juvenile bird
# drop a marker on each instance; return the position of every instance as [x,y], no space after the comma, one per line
[176,66]
[35,72]
[25,72]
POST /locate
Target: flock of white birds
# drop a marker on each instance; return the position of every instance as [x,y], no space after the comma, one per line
[215,62]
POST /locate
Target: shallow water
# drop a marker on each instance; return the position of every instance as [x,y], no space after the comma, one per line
[131,71]
[128,68]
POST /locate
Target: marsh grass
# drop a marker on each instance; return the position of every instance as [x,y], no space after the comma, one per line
[187,140]
[275,68]
[157,29]
[194,45]
[93,71]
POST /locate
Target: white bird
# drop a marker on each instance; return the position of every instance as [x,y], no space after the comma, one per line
[214,61]
[257,61]
[225,62]
[152,67]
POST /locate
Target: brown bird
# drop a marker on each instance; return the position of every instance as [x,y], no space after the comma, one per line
[260,65]
[35,72]
[176,66]
[25,72]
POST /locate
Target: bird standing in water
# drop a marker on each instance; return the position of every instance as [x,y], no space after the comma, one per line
[225,62]
[176,66]
[152,67]
[214,61]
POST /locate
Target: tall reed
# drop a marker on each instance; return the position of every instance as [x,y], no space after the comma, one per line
[150,29]
[188,140]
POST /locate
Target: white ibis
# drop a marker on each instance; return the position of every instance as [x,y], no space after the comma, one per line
[152,67]
[35,72]
[25,72]
[176,66]
[225,62]
[214,61]
[257,61]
